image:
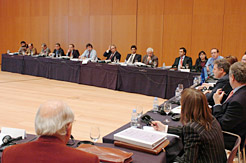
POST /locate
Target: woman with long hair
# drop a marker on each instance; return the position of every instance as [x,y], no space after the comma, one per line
[201,61]
[202,135]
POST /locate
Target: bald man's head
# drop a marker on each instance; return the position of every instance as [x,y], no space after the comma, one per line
[52,118]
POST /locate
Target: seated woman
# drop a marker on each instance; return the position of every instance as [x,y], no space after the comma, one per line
[202,134]
[201,61]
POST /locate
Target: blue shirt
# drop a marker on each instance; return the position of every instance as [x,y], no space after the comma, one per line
[210,64]
[93,54]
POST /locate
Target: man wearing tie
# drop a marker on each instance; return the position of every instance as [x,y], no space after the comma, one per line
[232,113]
[112,54]
[89,53]
[71,52]
[58,51]
[133,57]
[182,61]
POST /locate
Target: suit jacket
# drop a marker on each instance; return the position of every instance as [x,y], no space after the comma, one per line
[153,59]
[201,145]
[187,60]
[221,83]
[60,51]
[46,149]
[74,53]
[232,116]
[117,55]
[137,57]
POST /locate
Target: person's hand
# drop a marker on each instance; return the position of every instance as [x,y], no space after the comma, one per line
[218,96]
[149,58]
[207,91]
[158,126]
[208,69]
[68,51]
[200,87]
[109,47]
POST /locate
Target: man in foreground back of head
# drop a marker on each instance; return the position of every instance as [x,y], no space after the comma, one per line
[53,125]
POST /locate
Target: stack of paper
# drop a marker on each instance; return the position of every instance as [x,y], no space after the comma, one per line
[140,137]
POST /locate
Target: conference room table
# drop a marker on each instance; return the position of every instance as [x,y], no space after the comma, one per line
[172,150]
[155,82]
[138,156]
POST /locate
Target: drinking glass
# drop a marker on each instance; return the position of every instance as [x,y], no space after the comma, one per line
[139,114]
[95,133]
[181,87]
[167,109]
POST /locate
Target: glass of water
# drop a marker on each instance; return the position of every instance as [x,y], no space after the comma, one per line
[196,80]
[95,133]
[181,87]
[167,109]
[139,115]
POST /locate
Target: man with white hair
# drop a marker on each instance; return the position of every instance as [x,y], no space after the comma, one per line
[53,125]
[150,58]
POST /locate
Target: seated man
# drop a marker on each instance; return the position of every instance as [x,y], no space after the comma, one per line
[232,113]
[150,58]
[182,61]
[221,71]
[53,124]
[112,54]
[31,50]
[89,53]
[58,51]
[133,57]
[71,52]
[23,48]
[45,50]
[210,63]
[244,58]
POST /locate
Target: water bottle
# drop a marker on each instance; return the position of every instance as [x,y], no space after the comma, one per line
[134,119]
[155,105]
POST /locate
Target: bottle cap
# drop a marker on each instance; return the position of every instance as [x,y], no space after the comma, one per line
[134,110]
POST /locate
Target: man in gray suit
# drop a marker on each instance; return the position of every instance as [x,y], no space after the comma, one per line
[150,58]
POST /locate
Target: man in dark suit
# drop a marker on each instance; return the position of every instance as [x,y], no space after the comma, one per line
[112,54]
[221,72]
[182,61]
[133,57]
[72,52]
[58,51]
[53,124]
[232,113]
[150,58]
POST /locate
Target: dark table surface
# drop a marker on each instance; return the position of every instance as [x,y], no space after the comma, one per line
[138,157]
[148,81]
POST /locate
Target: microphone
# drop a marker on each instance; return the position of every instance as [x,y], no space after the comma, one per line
[8,139]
